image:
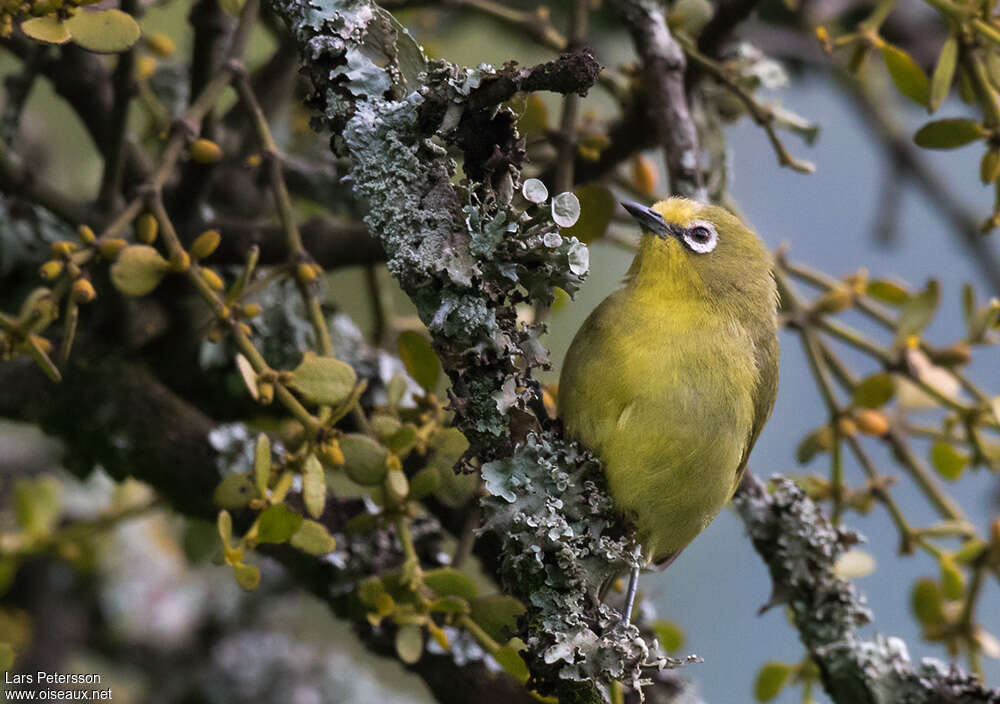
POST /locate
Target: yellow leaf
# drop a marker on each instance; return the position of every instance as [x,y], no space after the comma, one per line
[104,31]
[46,29]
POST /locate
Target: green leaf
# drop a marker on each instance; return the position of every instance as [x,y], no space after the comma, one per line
[323,380]
[424,483]
[597,207]
[247,576]
[511,661]
[384,426]
[409,643]
[918,311]
[369,590]
[364,459]
[968,302]
[235,491]
[313,486]
[909,78]
[887,291]
[447,581]
[138,270]
[104,31]
[396,389]
[419,359]
[497,614]
[950,133]
[199,540]
[262,463]
[450,605]
[670,635]
[447,449]
[313,538]
[36,505]
[952,581]
[818,440]
[874,392]
[948,461]
[944,72]
[771,679]
[277,524]
[403,440]
[927,602]
[48,29]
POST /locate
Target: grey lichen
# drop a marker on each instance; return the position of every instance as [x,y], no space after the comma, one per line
[800,547]
[548,504]
[468,254]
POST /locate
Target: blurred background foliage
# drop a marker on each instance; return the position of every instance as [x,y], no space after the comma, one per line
[889,404]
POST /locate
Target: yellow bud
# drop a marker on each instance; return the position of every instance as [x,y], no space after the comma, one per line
[83,291]
[44,344]
[63,248]
[253,161]
[251,310]
[834,301]
[146,228]
[871,422]
[306,273]
[160,44]
[180,261]
[393,464]
[913,342]
[51,269]
[846,427]
[245,329]
[87,235]
[213,280]
[215,334]
[111,247]
[205,244]
[145,67]
[823,36]
[265,392]
[205,151]
[331,454]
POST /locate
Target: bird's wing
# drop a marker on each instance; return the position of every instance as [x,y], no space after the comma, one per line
[766,359]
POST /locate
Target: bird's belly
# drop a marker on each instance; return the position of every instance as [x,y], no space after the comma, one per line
[673,488]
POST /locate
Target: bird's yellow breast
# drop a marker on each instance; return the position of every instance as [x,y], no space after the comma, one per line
[660,386]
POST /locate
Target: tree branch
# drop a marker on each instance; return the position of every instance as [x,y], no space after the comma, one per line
[800,547]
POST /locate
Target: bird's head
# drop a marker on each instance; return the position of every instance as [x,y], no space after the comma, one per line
[694,248]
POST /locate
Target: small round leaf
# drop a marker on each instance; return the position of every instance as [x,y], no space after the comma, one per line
[409,643]
[323,380]
[46,29]
[313,538]
[104,31]
[138,270]
[771,679]
[277,524]
[418,356]
[364,459]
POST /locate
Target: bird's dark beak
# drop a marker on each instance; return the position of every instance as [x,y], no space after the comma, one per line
[648,219]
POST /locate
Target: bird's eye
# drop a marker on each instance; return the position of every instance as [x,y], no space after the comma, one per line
[701,237]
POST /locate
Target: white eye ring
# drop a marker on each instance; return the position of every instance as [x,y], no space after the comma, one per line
[701,237]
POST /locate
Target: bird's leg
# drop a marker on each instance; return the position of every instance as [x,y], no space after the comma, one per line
[633,585]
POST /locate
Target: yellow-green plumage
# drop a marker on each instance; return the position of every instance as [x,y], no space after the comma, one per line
[670,379]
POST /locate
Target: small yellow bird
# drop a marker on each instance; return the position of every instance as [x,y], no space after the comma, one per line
[671,379]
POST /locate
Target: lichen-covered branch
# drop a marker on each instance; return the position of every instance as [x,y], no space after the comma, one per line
[467,255]
[800,546]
